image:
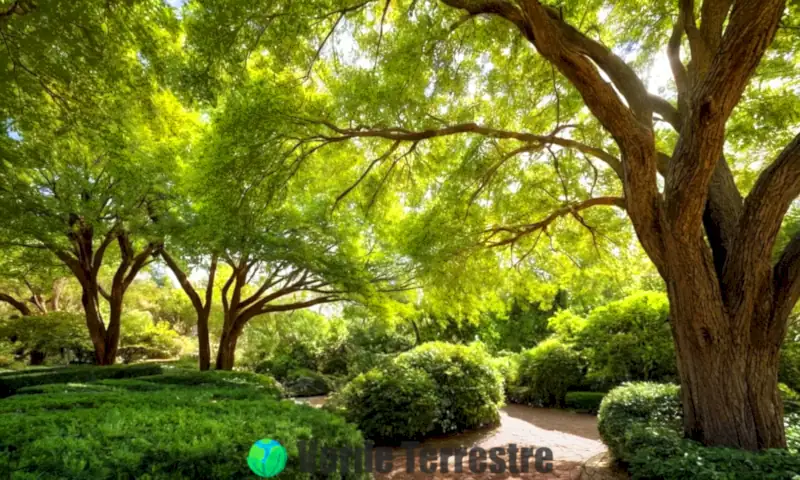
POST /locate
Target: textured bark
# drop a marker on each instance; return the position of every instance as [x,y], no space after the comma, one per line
[85,263]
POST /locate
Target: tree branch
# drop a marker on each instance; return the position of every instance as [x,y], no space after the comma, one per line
[19,305]
[750,31]
[518,231]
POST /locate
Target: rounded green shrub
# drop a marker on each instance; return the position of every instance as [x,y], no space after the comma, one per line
[628,340]
[641,424]
[303,382]
[637,403]
[390,404]
[469,387]
[546,373]
[434,388]
[584,401]
[177,432]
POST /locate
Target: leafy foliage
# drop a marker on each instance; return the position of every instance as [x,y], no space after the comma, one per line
[197,431]
[434,388]
[469,388]
[546,373]
[12,382]
[641,424]
[629,340]
[390,404]
[59,334]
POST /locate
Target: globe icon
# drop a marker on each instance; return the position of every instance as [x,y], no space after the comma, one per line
[266,458]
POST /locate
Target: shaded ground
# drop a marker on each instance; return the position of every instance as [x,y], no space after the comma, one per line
[577,450]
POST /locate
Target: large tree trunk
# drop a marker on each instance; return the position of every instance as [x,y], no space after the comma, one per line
[729,392]
[729,374]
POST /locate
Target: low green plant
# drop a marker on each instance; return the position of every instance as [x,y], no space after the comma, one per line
[390,404]
[435,388]
[641,424]
[303,382]
[469,388]
[546,373]
[584,401]
[628,340]
[143,338]
[217,379]
[11,382]
[111,431]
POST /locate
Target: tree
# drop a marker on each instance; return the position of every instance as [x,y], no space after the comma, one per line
[251,205]
[81,110]
[710,239]
[74,192]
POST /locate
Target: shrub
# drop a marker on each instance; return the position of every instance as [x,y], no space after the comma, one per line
[307,383]
[507,363]
[641,424]
[789,371]
[218,379]
[10,383]
[45,336]
[390,404]
[434,388]
[629,340]
[546,372]
[469,388]
[636,403]
[173,433]
[143,338]
[791,399]
[584,401]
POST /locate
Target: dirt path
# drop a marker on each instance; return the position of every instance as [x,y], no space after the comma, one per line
[577,451]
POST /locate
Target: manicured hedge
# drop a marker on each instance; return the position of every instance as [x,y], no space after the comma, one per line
[111,430]
[641,424]
[11,382]
[584,401]
[434,388]
[390,404]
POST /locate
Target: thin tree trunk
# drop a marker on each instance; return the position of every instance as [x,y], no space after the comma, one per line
[202,309]
[226,354]
[203,342]
[95,324]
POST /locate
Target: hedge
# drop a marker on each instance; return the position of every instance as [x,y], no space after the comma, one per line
[435,388]
[641,424]
[588,402]
[111,429]
[11,382]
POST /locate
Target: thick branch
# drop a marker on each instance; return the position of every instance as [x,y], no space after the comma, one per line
[515,233]
[19,305]
[749,33]
[401,134]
